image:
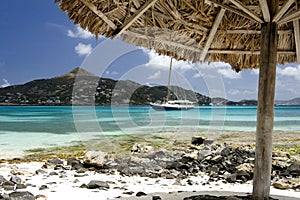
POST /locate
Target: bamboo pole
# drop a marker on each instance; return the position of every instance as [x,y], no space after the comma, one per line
[265,108]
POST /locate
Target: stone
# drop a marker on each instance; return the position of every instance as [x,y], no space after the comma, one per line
[53,174]
[204,153]
[141,148]
[231,178]
[40,171]
[217,158]
[225,151]
[95,158]
[43,187]
[21,186]
[247,167]
[139,194]
[156,198]
[284,184]
[21,196]
[8,185]
[74,163]
[94,184]
[294,169]
[16,180]
[56,161]
[197,140]
[2,179]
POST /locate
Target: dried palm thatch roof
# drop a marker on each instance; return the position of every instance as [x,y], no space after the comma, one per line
[203,30]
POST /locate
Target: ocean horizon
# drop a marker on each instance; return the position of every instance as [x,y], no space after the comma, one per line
[29,127]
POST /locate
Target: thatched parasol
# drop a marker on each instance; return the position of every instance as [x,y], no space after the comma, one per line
[246,34]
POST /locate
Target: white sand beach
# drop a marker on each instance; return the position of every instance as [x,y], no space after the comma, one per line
[60,184]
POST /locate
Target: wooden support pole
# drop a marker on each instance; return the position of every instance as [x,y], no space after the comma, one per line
[265,108]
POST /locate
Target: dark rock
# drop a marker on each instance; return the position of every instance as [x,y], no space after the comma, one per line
[294,169]
[8,185]
[208,142]
[156,198]
[231,178]
[203,153]
[242,175]
[21,186]
[43,187]
[74,163]
[97,184]
[21,196]
[53,174]
[83,186]
[139,194]
[56,161]
[80,175]
[2,179]
[225,151]
[128,192]
[16,180]
[197,140]
[40,171]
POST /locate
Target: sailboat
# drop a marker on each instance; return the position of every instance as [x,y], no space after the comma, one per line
[172,104]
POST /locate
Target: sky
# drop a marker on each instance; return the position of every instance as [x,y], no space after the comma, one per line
[39,41]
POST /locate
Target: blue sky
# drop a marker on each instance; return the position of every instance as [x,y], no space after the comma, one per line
[38,41]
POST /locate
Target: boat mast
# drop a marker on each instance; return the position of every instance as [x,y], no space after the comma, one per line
[169,81]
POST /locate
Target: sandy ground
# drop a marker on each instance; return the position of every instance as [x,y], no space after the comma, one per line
[66,186]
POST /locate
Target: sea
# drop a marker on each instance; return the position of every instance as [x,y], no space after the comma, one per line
[29,127]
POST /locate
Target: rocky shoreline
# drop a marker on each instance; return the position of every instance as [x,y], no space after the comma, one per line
[203,163]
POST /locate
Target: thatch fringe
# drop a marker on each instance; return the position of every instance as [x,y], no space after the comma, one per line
[180,28]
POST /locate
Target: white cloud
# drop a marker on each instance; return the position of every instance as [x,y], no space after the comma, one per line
[255,71]
[80,33]
[83,49]
[6,83]
[229,73]
[290,71]
[162,61]
[154,76]
[198,75]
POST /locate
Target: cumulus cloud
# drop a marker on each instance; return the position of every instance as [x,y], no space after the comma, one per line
[83,49]
[80,33]
[198,75]
[229,73]
[290,71]
[6,83]
[161,61]
[154,76]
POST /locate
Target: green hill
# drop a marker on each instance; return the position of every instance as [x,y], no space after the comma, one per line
[81,87]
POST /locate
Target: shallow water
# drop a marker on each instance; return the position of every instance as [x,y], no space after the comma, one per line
[28,127]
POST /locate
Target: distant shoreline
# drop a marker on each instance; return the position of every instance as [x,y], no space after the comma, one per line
[12,104]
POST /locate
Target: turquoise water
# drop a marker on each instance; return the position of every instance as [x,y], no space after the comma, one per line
[27,127]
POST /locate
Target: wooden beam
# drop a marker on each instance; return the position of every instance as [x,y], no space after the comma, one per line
[265,10]
[282,10]
[246,10]
[100,14]
[291,17]
[165,42]
[212,33]
[234,10]
[297,39]
[128,22]
[225,51]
